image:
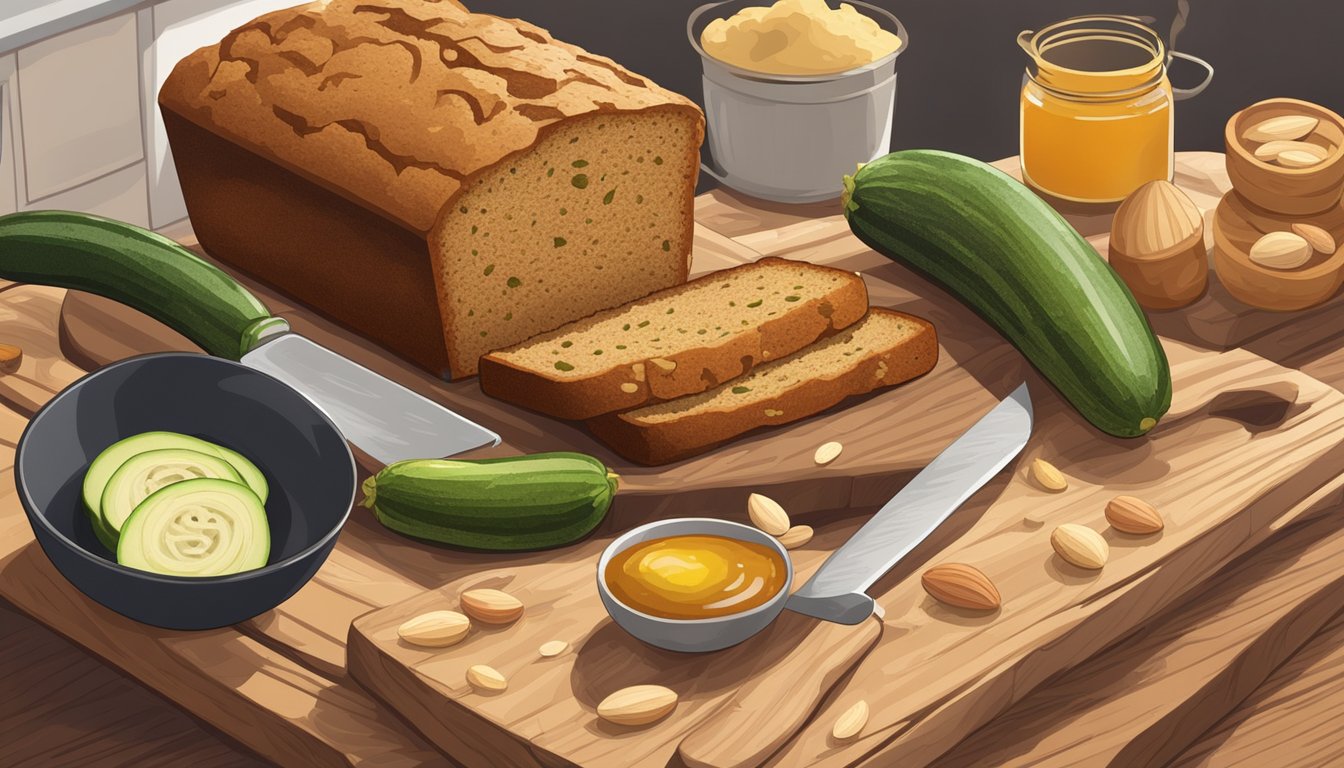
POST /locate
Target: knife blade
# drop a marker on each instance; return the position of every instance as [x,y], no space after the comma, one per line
[384,419]
[836,592]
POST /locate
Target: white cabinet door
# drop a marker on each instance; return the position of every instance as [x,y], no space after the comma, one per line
[9,201]
[79,106]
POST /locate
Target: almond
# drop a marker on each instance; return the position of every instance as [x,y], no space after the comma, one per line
[553,648]
[767,515]
[1297,158]
[1130,515]
[1316,237]
[827,453]
[1048,476]
[11,357]
[850,723]
[1080,546]
[796,536]
[486,678]
[1269,152]
[1281,128]
[638,705]
[491,606]
[630,387]
[663,364]
[1281,250]
[436,629]
[961,586]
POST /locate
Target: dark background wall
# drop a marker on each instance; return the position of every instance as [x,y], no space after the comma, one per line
[959,79]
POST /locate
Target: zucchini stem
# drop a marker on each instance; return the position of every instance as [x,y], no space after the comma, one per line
[370,489]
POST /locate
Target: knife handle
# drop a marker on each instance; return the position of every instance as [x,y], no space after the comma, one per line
[140,269]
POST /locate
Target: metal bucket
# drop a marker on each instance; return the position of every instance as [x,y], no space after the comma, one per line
[792,138]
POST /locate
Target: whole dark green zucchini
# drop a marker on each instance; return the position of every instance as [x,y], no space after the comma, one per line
[138,268]
[1002,251]
[515,503]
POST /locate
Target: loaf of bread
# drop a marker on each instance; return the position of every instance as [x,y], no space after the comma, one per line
[678,341]
[884,349]
[443,182]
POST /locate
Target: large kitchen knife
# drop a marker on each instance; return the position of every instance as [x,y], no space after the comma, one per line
[837,592]
[157,276]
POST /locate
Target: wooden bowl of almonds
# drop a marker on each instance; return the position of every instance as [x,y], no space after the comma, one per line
[1287,156]
[1275,261]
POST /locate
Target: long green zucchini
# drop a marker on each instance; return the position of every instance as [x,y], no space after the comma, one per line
[137,268]
[515,503]
[1002,251]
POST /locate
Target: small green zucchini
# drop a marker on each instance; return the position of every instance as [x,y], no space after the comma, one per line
[515,503]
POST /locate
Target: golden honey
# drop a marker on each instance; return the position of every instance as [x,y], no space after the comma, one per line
[1096,118]
[695,576]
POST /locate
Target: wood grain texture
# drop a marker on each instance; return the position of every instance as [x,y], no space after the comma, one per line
[1295,720]
[943,673]
[547,714]
[64,707]
[1142,701]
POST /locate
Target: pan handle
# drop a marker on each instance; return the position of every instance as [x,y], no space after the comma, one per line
[140,269]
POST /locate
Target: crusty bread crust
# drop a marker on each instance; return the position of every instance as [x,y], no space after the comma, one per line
[683,373]
[395,103]
[668,441]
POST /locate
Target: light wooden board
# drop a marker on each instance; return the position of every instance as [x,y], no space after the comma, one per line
[1141,702]
[1246,442]
[282,710]
[1293,721]
[547,709]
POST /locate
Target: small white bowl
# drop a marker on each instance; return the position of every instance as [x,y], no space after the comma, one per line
[693,635]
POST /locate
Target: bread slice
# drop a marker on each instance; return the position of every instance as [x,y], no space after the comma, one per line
[677,341]
[885,349]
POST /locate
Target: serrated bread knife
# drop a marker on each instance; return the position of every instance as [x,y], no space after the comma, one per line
[837,592]
[157,276]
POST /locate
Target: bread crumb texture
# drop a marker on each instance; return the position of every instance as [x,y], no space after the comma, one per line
[879,333]
[705,314]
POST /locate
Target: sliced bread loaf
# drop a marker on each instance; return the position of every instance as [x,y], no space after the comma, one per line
[885,349]
[677,341]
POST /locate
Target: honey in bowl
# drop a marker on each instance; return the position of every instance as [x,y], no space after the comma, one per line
[695,576]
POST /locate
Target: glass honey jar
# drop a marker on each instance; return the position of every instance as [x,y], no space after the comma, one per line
[1097,108]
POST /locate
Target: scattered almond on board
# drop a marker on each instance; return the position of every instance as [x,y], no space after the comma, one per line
[553,648]
[436,629]
[1281,250]
[828,452]
[638,705]
[491,606]
[1048,476]
[767,514]
[1128,514]
[10,358]
[486,678]
[850,723]
[1080,546]
[796,536]
[961,586]
[1319,239]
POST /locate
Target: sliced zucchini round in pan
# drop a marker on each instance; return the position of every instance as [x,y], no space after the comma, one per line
[145,473]
[202,527]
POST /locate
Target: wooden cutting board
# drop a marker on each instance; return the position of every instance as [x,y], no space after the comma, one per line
[1245,441]
[744,695]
